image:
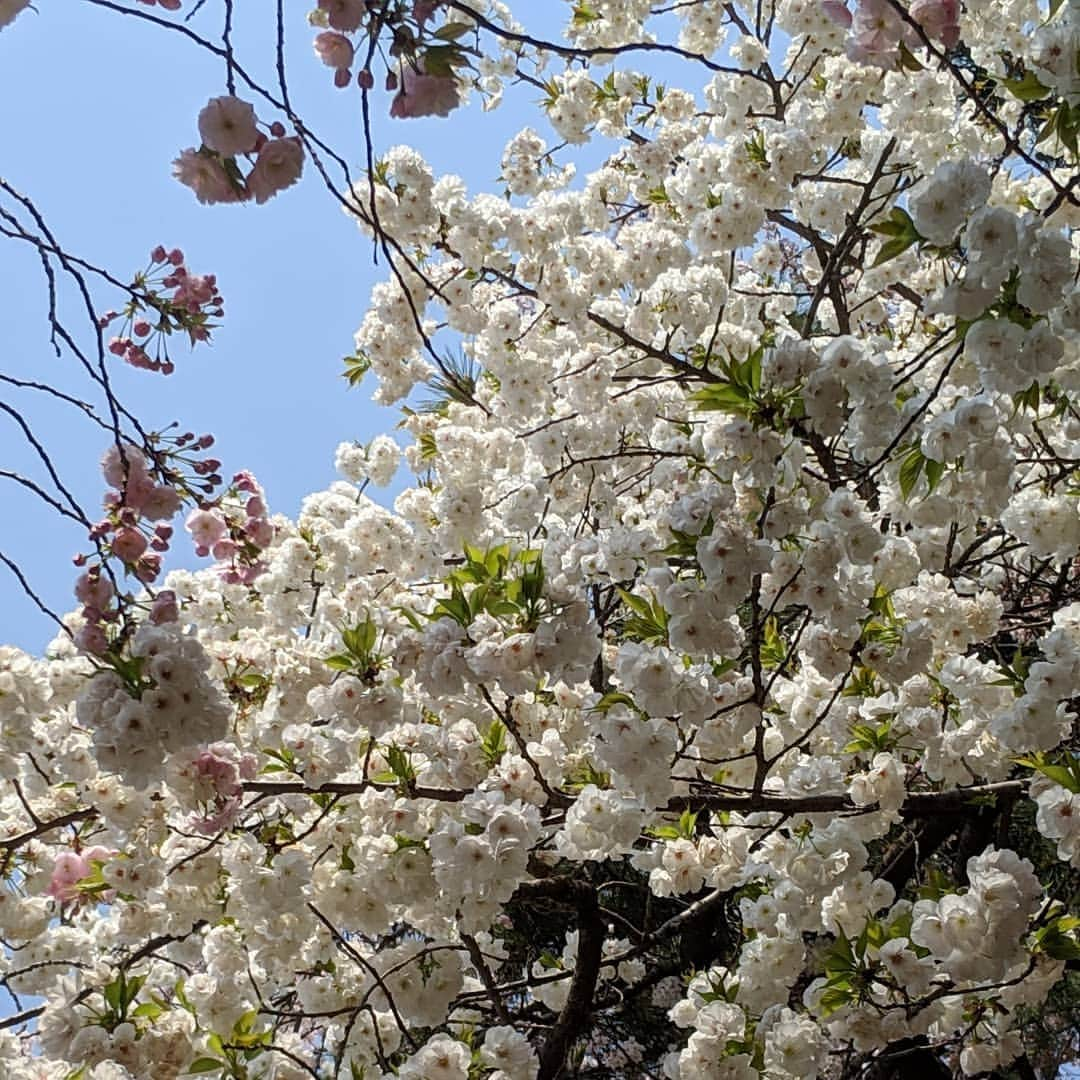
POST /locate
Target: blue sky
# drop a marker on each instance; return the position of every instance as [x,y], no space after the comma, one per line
[94,106]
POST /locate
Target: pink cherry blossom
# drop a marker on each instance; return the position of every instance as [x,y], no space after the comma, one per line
[71,867]
[115,466]
[206,176]
[939,18]
[218,774]
[10,8]
[422,10]
[129,544]
[334,50]
[344,15]
[91,639]
[425,95]
[206,529]
[164,608]
[92,589]
[224,549]
[148,568]
[837,11]
[278,166]
[161,504]
[228,126]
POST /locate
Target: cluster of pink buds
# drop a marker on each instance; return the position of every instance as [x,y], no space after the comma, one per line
[217,775]
[71,867]
[878,29]
[138,509]
[423,89]
[234,529]
[154,312]
[136,532]
[168,5]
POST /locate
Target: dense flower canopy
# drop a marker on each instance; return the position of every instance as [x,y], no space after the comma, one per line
[707,706]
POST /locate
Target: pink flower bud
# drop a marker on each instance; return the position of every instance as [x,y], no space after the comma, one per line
[159,254]
[176,257]
[365,80]
[141,328]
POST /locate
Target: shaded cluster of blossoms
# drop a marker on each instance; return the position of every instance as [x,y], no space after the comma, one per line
[879,28]
[231,136]
[425,79]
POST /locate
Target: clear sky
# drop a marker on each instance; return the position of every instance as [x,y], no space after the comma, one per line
[94,106]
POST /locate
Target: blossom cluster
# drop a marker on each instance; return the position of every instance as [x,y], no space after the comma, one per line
[152,315]
[425,78]
[230,135]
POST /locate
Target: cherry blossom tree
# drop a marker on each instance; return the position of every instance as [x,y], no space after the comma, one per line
[707,705]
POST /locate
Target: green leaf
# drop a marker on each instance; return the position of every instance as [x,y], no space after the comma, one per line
[493,744]
[440,60]
[1066,771]
[584,14]
[907,60]
[901,230]
[204,1065]
[687,825]
[836,997]
[910,470]
[1057,941]
[1026,89]
[722,397]
[935,470]
[773,647]
[891,248]
[453,30]
[356,367]
[898,223]
[400,762]
[114,994]
[637,604]
[612,699]
[665,832]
